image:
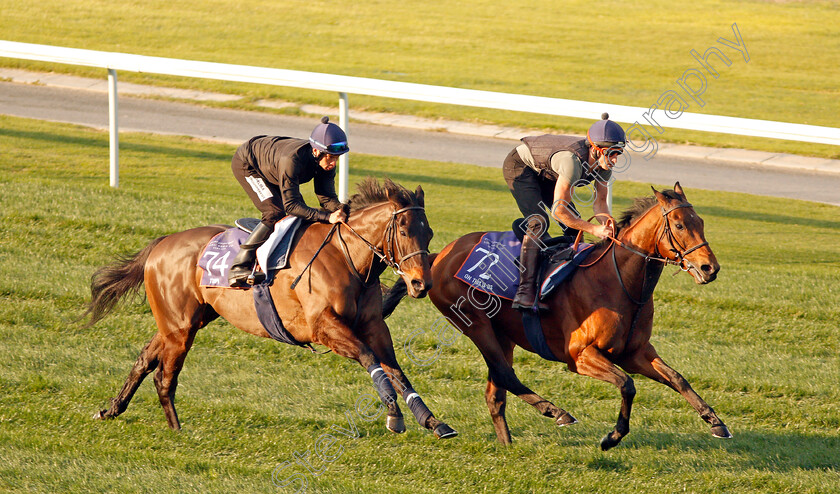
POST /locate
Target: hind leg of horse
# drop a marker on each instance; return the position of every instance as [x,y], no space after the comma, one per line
[145,364]
[381,344]
[591,362]
[649,364]
[496,398]
[166,378]
[499,358]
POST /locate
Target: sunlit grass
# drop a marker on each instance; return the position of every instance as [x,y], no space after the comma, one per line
[759,344]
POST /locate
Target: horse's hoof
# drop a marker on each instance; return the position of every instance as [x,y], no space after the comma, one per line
[608,443]
[443,431]
[565,419]
[721,431]
[100,415]
[395,424]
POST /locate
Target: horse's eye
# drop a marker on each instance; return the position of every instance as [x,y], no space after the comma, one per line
[402,232]
[680,226]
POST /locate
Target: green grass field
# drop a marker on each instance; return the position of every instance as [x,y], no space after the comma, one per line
[608,51]
[759,344]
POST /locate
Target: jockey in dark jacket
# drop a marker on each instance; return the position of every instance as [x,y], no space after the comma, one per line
[271,169]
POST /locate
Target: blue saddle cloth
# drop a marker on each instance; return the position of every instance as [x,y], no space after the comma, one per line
[218,255]
[493,266]
[217,258]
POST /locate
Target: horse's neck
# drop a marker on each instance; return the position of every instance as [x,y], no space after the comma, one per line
[642,234]
[639,274]
[370,223]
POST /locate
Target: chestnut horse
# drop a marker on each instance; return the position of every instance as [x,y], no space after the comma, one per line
[599,320]
[338,303]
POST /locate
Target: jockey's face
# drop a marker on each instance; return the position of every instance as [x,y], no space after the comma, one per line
[326,161]
[607,157]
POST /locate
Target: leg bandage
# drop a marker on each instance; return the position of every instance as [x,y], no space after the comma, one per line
[382,384]
[418,408]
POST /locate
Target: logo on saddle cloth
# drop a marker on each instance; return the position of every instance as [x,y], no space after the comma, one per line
[217,257]
[493,266]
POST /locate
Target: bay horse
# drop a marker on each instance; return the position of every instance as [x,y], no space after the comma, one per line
[598,320]
[337,304]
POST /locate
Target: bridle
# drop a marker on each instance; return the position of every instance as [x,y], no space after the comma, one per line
[676,247]
[679,251]
[387,257]
[391,249]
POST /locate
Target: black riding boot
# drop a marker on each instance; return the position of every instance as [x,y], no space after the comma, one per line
[526,294]
[243,263]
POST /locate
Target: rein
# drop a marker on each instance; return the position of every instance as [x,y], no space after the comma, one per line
[326,239]
[388,258]
[680,252]
[683,263]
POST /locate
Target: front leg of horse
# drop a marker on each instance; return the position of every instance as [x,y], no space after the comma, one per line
[338,337]
[591,362]
[415,403]
[382,345]
[418,407]
[394,421]
[649,364]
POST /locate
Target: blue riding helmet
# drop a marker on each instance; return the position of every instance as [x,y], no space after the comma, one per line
[606,134]
[329,138]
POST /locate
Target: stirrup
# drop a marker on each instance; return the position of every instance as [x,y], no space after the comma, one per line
[254,278]
[537,305]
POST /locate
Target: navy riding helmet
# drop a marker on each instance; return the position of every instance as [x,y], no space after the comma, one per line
[605,133]
[329,138]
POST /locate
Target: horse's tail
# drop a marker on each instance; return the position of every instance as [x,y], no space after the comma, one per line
[110,283]
[392,298]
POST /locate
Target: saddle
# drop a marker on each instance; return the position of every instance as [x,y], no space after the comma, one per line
[493,264]
[217,257]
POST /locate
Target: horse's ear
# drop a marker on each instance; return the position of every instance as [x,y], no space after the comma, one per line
[678,189]
[663,200]
[420,197]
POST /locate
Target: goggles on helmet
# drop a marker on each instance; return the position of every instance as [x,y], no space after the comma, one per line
[337,148]
[613,150]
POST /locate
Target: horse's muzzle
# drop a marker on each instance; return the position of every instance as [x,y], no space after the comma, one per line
[706,273]
[418,288]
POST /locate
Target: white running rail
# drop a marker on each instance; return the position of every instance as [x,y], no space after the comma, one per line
[391,89]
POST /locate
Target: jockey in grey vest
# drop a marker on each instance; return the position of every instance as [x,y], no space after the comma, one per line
[544,170]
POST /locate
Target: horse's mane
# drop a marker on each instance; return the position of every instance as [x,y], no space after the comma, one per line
[370,193]
[639,207]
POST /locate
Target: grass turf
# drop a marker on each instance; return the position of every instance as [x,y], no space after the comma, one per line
[759,344]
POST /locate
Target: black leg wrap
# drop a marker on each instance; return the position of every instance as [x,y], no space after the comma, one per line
[418,408]
[382,384]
